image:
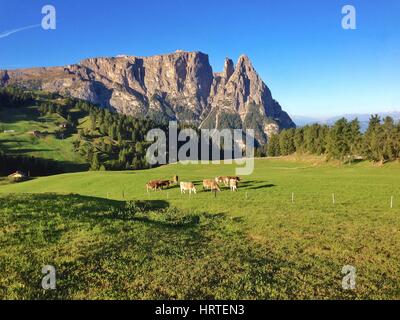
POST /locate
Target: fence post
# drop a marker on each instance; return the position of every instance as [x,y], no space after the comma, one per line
[292,197]
[391,202]
[333,198]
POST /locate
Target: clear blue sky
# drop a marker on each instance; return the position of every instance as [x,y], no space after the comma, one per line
[311,65]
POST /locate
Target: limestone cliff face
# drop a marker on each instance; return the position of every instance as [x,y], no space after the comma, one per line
[179,86]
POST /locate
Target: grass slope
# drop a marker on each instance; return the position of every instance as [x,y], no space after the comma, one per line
[295,250]
[25,120]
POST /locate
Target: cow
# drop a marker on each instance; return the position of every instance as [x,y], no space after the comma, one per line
[222,180]
[152,185]
[210,184]
[157,184]
[187,186]
[235,178]
[164,183]
[233,184]
[225,180]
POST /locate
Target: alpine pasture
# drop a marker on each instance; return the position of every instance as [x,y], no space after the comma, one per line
[279,237]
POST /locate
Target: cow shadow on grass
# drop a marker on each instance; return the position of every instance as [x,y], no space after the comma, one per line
[254,185]
[262,186]
[196,182]
[173,186]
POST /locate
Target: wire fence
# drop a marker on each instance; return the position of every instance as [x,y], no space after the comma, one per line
[341,199]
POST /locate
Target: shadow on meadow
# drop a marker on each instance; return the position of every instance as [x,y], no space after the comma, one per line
[36,166]
[243,184]
[105,248]
[98,210]
[255,184]
[109,249]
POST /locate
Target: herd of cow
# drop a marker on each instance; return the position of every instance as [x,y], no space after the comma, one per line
[208,184]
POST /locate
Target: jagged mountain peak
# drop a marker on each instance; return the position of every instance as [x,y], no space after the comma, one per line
[244,59]
[229,68]
[244,67]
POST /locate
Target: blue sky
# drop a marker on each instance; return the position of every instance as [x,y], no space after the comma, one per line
[312,66]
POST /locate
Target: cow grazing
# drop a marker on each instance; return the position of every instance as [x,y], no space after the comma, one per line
[187,186]
[233,184]
[152,185]
[222,180]
[210,184]
[164,183]
[157,184]
[235,178]
[226,180]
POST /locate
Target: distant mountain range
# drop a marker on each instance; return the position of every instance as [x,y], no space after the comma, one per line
[177,86]
[302,121]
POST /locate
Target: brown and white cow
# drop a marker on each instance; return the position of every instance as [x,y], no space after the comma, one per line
[164,183]
[187,186]
[225,180]
[222,180]
[233,184]
[152,185]
[157,184]
[235,178]
[210,184]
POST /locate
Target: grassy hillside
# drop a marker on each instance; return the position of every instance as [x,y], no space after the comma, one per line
[295,250]
[44,133]
[23,121]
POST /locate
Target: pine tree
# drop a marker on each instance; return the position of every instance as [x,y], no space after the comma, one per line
[95,165]
[372,145]
[338,140]
[389,139]
[355,139]
[286,142]
[93,124]
[123,157]
[112,132]
[298,140]
[396,138]
[315,139]
[273,146]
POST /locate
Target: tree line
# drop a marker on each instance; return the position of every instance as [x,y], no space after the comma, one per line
[342,141]
[29,165]
[112,141]
[11,97]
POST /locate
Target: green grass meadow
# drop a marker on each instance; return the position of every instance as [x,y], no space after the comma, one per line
[252,244]
[23,121]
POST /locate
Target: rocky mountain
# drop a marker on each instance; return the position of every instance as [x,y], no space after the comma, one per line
[179,86]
